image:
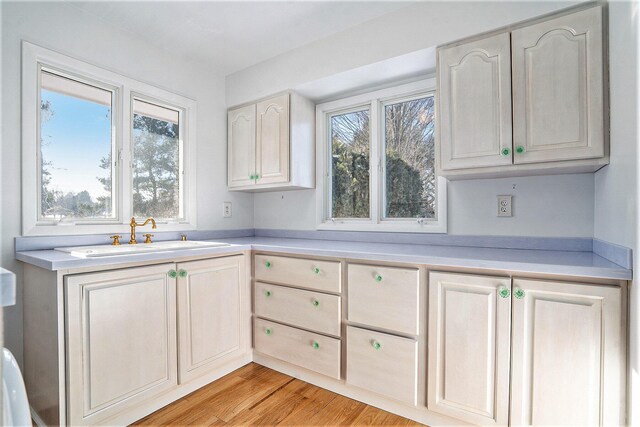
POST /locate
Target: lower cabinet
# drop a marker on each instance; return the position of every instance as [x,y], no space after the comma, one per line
[383,363]
[210,314]
[136,333]
[568,354]
[469,343]
[567,347]
[121,340]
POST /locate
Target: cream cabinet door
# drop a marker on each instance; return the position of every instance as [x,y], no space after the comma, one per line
[211,314]
[469,347]
[474,99]
[568,352]
[241,140]
[558,89]
[272,145]
[121,340]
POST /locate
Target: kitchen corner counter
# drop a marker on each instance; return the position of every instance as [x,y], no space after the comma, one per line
[565,263]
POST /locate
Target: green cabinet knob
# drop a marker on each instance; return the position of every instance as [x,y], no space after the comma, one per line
[316,270]
[315,345]
[505,151]
[519,293]
[504,292]
[182,273]
[257,176]
[268,264]
[378,278]
[375,344]
[520,149]
[250,176]
[267,293]
[315,302]
[267,331]
[173,274]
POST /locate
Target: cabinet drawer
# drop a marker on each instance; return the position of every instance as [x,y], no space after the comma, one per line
[385,297]
[383,363]
[304,273]
[306,309]
[311,351]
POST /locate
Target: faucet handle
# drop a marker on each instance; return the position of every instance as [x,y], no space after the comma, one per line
[116,240]
[183,237]
[148,238]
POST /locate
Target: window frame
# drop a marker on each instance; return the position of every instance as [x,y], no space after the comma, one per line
[375,100]
[34,58]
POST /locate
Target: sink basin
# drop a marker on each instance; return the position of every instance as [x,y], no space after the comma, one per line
[140,248]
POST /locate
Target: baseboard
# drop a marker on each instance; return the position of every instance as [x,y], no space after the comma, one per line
[418,413]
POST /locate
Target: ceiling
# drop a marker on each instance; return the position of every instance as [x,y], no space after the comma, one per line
[232,35]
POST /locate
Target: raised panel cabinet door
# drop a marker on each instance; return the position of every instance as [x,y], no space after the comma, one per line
[121,340]
[469,347]
[558,89]
[474,102]
[211,314]
[241,141]
[568,353]
[272,145]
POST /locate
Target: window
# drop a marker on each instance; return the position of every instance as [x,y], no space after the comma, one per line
[350,148]
[376,158]
[76,147]
[157,161]
[99,148]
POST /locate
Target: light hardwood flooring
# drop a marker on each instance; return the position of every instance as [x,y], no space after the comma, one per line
[257,396]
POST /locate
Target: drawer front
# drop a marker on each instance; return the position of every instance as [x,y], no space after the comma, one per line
[300,272]
[306,309]
[311,351]
[383,363]
[385,297]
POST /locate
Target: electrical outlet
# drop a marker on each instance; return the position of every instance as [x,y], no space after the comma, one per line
[226,209]
[504,206]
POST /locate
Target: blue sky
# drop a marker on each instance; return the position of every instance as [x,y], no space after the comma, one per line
[74,139]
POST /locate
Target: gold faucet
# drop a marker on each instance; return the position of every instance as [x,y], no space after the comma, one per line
[133,225]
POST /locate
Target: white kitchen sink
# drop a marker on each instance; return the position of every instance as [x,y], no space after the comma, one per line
[140,248]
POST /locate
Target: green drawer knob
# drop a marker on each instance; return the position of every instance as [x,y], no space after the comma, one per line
[173,274]
[378,278]
[518,293]
[520,149]
[182,273]
[505,151]
[376,345]
[315,302]
[268,264]
[315,345]
[504,292]
[316,270]
[251,177]
[267,293]
[267,331]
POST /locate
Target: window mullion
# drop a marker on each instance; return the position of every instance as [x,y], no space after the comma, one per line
[126,186]
[374,164]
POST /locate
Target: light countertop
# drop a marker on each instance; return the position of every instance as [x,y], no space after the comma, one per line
[566,263]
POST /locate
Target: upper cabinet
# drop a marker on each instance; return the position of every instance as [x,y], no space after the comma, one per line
[475,103]
[271,144]
[525,101]
[558,89]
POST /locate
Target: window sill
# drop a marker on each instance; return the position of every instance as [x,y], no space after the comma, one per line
[77,229]
[387,226]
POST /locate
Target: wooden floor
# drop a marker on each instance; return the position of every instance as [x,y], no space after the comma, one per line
[258,396]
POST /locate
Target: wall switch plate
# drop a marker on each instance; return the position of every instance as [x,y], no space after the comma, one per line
[504,206]
[226,209]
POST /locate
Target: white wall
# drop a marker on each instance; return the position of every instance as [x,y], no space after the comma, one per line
[543,206]
[617,187]
[68,30]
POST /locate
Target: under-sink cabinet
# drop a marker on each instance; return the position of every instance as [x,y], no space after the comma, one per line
[108,347]
[527,100]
